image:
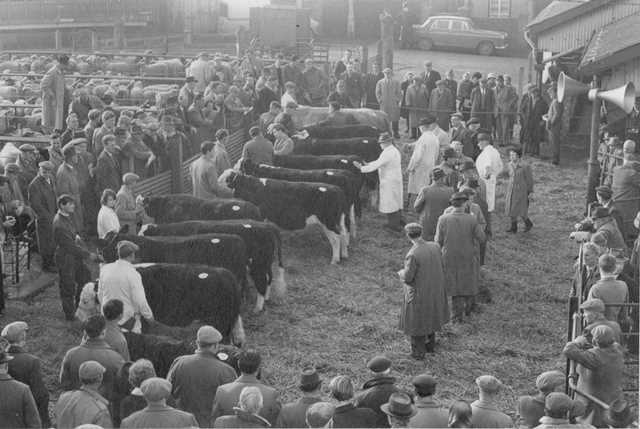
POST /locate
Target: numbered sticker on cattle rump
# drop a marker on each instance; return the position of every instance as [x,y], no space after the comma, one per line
[322,189]
[246,225]
[215,240]
[203,276]
[344,161]
[235,208]
[365,141]
[223,356]
[329,173]
[263,181]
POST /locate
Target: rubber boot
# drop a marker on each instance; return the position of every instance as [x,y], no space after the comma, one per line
[514,227]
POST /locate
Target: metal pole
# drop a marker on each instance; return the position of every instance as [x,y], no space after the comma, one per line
[593,165]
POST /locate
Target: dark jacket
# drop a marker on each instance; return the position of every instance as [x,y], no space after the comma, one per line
[430,414]
[241,419]
[258,150]
[376,392]
[25,368]
[348,416]
[159,416]
[293,415]
[227,395]
[64,236]
[107,172]
[17,407]
[42,198]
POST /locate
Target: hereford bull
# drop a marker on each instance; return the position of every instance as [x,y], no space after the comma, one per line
[349,182]
[364,147]
[305,116]
[342,132]
[262,241]
[218,250]
[181,207]
[294,205]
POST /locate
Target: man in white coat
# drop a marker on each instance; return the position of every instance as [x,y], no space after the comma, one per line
[390,174]
[425,156]
[489,166]
[202,70]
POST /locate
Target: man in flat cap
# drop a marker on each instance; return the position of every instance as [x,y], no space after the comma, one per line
[426,151]
[377,390]
[531,408]
[85,405]
[489,165]
[155,391]
[431,203]
[120,280]
[603,223]
[448,166]
[28,162]
[258,150]
[519,190]
[558,408]
[70,254]
[18,406]
[441,101]
[425,309]
[107,171]
[485,413]
[399,410]
[129,208]
[25,367]
[593,311]
[68,182]
[604,196]
[42,199]
[196,377]
[483,104]
[389,96]
[459,235]
[346,414]
[471,148]
[625,186]
[600,369]
[292,415]
[429,413]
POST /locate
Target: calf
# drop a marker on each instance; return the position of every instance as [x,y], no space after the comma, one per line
[218,250]
[366,148]
[342,132]
[262,241]
[293,205]
[181,207]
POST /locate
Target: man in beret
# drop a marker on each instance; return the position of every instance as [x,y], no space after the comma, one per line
[429,413]
[441,101]
[459,234]
[593,311]
[292,415]
[68,182]
[483,103]
[485,413]
[489,165]
[431,203]
[531,408]
[377,390]
[600,369]
[425,309]
[25,367]
[426,151]
[155,391]
[86,404]
[18,408]
[42,199]
[625,187]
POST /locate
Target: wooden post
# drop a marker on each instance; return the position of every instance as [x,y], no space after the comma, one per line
[592,164]
[386,38]
[94,40]
[520,79]
[364,64]
[58,39]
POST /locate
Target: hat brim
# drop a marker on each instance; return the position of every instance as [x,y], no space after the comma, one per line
[385,409]
[618,423]
[309,386]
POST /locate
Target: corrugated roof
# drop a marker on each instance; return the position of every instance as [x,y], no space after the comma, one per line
[612,39]
[554,8]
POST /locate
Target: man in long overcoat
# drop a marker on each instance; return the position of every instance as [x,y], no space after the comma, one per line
[53,93]
[519,189]
[108,166]
[42,199]
[431,203]
[458,233]
[425,308]
[416,101]
[370,84]
[483,104]
[554,124]
[424,157]
[440,102]
[389,96]
[507,106]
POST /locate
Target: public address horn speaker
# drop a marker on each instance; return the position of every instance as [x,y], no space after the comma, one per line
[623,97]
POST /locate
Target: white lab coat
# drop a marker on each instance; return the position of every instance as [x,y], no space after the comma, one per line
[489,165]
[390,174]
[425,156]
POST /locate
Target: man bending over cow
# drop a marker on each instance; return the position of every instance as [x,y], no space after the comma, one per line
[120,280]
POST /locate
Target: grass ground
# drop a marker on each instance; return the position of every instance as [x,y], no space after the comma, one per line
[337,317]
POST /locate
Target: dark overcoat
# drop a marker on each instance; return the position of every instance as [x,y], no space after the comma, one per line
[518,189]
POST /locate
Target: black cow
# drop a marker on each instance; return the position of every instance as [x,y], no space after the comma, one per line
[293,205]
[349,182]
[218,250]
[181,207]
[262,241]
[342,132]
[366,148]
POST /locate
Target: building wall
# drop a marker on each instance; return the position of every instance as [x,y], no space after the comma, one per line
[621,74]
[577,32]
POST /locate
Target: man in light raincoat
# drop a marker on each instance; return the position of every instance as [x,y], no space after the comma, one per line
[489,166]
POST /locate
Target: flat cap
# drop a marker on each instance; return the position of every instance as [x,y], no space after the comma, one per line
[379,364]
[484,137]
[27,147]
[424,380]
[129,178]
[13,331]
[208,335]
[428,119]
[126,248]
[549,380]
[69,149]
[11,167]
[593,304]
[413,228]
[47,165]
[309,378]
[557,402]
[155,389]
[90,370]
[464,197]
[437,173]
[605,191]
[488,383]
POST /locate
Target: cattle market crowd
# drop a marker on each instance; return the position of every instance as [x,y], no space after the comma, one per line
[78,197]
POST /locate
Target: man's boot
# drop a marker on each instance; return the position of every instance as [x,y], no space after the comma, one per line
[514,227]
[528,225]
[431,343]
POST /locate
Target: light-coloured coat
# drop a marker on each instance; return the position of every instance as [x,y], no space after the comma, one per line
[126,208]
[389,169]
[425,309]
[389,96]
[518,189]
[425,156]
[204,178]
[53,88]
[489,165]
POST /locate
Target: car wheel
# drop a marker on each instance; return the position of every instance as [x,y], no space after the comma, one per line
[425,44]
[485,48]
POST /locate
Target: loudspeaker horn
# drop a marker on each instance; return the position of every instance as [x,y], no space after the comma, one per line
[568,86]
[624,97]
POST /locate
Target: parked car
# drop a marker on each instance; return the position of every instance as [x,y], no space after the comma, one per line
[450,31]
